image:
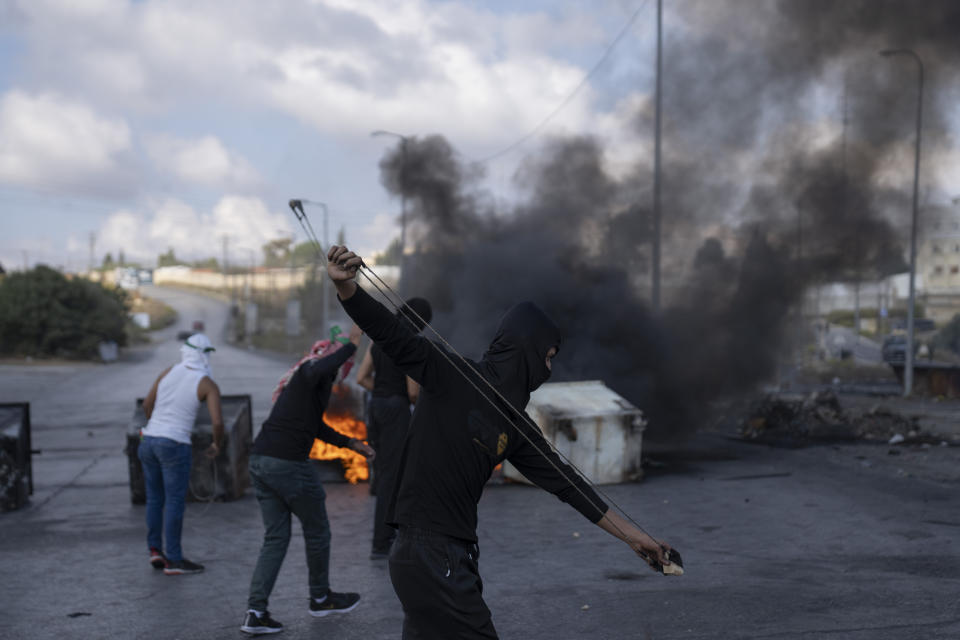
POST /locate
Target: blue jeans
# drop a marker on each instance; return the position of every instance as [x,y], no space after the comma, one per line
[166,474]
[283,487]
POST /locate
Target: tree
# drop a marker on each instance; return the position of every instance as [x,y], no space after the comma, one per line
[276,253]
[304,254]
[107,261]
[167,259]
[949,336]
[390,255]
[207,263]
[42,313]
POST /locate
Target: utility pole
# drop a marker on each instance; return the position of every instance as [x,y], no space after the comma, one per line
[93,243]
[325,309]
[655,297]
[803,298]
[856,239]
[908,364]
[223,263]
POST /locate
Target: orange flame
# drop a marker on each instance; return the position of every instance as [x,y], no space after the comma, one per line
[354,465]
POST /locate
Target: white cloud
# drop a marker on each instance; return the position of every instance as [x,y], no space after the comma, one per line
[249,222]
[204,161]
[48,140]
[343,67]
[193,234]
[460,93]
[217,77]
[123,230]
[376,235]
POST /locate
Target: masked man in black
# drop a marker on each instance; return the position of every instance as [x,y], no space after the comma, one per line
[456,438]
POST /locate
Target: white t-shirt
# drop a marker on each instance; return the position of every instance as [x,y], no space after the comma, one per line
[176,408]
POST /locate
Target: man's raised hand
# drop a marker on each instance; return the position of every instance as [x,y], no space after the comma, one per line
[342,264]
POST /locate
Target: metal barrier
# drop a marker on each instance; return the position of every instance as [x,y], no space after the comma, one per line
[226,477]
[16,459]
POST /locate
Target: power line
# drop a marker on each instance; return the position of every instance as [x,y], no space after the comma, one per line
[572,94]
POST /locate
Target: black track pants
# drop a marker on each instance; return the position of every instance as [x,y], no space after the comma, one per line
[391,418]
[438,582]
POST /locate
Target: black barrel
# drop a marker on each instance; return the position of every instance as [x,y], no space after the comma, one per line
[226,477]
[16,463]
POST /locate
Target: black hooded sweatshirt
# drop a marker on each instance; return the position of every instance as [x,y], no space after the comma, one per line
[456,437]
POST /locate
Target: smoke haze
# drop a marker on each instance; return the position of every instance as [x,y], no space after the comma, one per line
[765,193]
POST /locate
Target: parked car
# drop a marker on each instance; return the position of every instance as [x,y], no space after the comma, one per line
[920,325]
[126,278]
[894,349]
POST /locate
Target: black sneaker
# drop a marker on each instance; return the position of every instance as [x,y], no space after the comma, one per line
[182,567]
[256,625]
[334,603]
[157,561]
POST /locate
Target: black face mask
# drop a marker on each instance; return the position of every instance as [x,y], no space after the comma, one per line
[515,361]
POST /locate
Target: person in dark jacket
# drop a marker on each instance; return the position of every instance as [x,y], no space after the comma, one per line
[393,392]
[286,482]
[456,439]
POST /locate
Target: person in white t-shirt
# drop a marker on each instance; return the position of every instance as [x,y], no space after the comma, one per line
[166,452]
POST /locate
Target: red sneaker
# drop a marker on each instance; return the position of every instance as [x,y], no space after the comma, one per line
[157,561]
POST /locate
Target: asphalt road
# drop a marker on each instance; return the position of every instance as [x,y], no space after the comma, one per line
[863,349]
[825,542]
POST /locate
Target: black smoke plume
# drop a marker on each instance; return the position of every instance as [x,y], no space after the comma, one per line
[755,211]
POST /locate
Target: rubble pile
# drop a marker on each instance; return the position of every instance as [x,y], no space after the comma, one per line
[819,417]
[882,424]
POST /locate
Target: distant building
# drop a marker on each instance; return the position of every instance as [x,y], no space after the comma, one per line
[938,263]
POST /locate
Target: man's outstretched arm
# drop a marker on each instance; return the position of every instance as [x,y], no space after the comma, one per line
[641,543]
[540,464]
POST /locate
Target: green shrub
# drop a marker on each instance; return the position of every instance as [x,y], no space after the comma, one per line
[949,336]
[44,314]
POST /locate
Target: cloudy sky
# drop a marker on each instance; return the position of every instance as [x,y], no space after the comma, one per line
[175,123]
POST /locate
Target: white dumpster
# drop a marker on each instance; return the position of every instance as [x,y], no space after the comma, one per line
[595,428]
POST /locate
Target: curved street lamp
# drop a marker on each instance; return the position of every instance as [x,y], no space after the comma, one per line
[908,364]
[324,307]
[403,196]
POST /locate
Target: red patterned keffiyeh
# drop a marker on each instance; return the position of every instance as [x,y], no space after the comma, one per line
[320,349]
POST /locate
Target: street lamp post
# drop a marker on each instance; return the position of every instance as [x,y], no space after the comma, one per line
[251,255]
[908,364]
[655,267]
[248,285]
[403,197]
[324,307]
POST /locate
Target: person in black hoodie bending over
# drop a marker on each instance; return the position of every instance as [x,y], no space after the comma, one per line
[286,482]
[456,438]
